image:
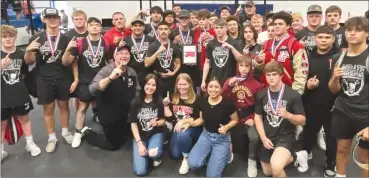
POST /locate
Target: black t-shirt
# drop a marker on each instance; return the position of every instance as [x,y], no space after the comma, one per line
[163,63]
[276,126]
[138,53]
[340,38]
[353,99]
[309,38]
[88,65]
[149,31]
[51,67]
[184,110]
[13,90]
[222,61]
[214,115]
[73,33]
[142,113]
[253,51]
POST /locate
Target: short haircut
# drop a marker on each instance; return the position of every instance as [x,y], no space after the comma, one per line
[273,66]
[256,35]
[195,13]
[175,5]
[256,17]
[220,22]
[286,17]
[325,29]
[213,15]
[359,23]
[163,23]
[232,18]
[117,13]
[93,19]
[8,30]
[269,15]
[78,13]
[244,60]
[156,9]
[297,16]
[333,8]
[204,13]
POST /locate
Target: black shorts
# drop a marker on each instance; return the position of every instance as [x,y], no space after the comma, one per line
[345,127]
[83,93]
[287,142]
[7,113]
[50,90]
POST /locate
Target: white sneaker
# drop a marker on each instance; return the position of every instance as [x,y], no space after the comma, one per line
[4,155]
[321,141]
[33,149]
[184,167]
[310,156]
[157,162]
[68,137]
[299,129]
[51,145]
[231,158]
[76,140]
[302,161]
[252,170]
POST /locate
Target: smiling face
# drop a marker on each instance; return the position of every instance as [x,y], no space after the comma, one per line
[232,26]
[163,31]
[183,86]
[138,28]
[214,89]
[119,20]
[122,57]
[150,87]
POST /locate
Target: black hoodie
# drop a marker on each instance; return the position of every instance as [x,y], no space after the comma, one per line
[322,66]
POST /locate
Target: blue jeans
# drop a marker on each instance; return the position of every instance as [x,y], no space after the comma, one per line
[214,146]
[141,163]
[181,143]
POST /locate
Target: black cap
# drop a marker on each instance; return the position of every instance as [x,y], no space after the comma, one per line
[225,8]
[250,3]
[184,13]
[137,20]
[122,47]
[50,12]
[314,9]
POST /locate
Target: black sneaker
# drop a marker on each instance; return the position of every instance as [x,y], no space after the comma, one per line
[330,170]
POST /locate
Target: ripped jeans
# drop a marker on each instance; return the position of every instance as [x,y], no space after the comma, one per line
[154,147]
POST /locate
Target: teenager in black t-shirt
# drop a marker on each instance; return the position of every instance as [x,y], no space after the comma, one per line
[165,58]
[139,43]
[146,116]
[252,49]
[221,55]
[350,81]
[183,107]
[15,101]
[278,111]
[332,17]
[47,49]
[92,53]
[218,116]
[151,29]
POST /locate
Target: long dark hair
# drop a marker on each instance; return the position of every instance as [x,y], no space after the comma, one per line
[155,95]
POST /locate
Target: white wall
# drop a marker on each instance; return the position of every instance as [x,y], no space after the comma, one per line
[104,9]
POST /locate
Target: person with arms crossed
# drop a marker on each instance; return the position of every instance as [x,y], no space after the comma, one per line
[91,54]
[47,49]
[15,101]
[278,111]
[350,81]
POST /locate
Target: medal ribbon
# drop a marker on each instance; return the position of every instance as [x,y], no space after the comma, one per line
[56,43]
[152,28]
[187,37]
[94,55]
[201,35]
[274,48]
[138,48]
[279,98]
[167,53]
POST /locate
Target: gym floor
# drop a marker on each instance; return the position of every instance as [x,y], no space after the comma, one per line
[87,161]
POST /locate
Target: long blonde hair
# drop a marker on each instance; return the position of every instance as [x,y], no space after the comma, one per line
[191,92]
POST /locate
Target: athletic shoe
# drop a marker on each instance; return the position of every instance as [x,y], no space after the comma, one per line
[157,162]
[51,146]
[302,161]
[4,155]
[299,129]
[321,141]
[330,170]
[33,149]
[252,170]
[184,167]
[68,137]
[77,138]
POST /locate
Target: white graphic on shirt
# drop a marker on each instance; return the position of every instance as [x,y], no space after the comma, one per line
[204,43]
[282,56]
[130,83]
[94,62]
[182,112]
[310,42]
[164,60]
[45,51]
[140,56]
[220,56]
[353,79]
[339,39]
[145,116]
[11,73]
[274,120]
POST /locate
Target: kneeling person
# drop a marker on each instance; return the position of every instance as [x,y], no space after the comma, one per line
[278,111]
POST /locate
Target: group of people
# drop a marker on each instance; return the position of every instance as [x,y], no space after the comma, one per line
[207,85]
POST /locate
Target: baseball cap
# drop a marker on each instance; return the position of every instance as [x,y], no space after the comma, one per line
[121,48]
[314,9]
[250,3]
[184,13]
[225,8]
[50,12]
[139,20]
